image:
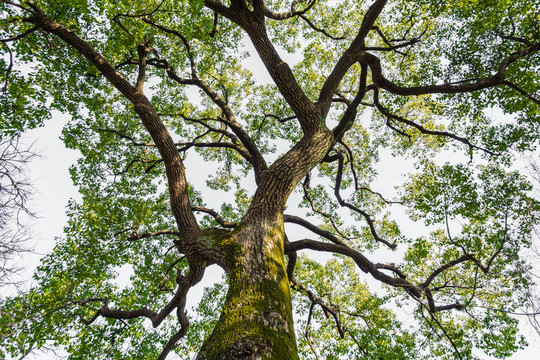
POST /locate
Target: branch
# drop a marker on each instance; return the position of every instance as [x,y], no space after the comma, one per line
[194,275]
[256,159]
[348,118]
[144,14]
[330,218]
[442,268]
[289,14]
[134,237]
[180,202]
[361,261]
[322,31]
[423,130]
[184,42]
[485,269]
[329,310]
[350,157]
[480,83]
[306,334]
[446,335]
[349,57]
[143,51]
[391,47]
[29,10]
[127,137]
[281,120]
[392,267]
[317,230]
[343,203]
[291,264]
[226,145]
[20,36]
[171,344]
[521,91]
[216,216]
[308,114]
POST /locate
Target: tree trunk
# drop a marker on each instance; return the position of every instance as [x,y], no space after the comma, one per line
[256,321]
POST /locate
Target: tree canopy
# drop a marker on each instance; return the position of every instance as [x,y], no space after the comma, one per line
[423,259]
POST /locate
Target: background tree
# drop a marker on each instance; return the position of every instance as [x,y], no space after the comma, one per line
[414,79]
[14,212]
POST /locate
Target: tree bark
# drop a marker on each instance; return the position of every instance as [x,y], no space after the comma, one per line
[256,320]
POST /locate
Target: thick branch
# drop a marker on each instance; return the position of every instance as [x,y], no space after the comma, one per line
[349,57]
[195,274]
[348,118]
[453,88]
[309,116]
[180,203]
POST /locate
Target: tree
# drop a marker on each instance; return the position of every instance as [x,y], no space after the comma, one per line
[14,192]
[412,78]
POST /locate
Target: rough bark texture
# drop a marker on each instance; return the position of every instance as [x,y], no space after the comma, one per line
[256,321]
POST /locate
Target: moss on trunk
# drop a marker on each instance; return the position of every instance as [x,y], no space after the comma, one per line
[256,321]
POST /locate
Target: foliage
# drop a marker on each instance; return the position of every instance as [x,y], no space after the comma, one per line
[449,88]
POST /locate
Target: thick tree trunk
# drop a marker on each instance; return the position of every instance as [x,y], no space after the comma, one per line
[256,321]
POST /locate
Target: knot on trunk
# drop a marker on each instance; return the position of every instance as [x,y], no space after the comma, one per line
[275,320]
[248,348]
